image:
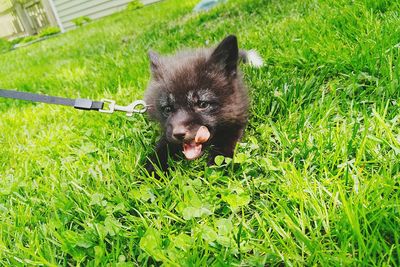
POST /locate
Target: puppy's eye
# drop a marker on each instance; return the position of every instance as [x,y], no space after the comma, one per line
[167,110]
[203,105]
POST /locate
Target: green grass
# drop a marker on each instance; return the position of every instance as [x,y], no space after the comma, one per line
[315,180]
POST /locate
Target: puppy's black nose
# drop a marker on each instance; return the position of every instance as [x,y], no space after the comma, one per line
[179,133]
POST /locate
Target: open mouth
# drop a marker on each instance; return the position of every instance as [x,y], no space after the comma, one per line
[193,150]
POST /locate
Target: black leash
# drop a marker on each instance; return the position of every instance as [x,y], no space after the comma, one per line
[138,106]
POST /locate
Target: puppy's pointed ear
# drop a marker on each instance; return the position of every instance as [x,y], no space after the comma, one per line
[226,55]
[155,64]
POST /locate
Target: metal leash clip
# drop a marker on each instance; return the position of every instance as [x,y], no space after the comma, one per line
[138,106]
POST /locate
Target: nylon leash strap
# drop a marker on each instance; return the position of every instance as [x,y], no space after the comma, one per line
[138,106]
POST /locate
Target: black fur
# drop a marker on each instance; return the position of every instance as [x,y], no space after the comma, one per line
[193,89]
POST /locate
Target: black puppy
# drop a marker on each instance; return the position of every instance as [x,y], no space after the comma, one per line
[200,101]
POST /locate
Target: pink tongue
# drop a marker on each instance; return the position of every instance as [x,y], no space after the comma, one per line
[202,135]
[193,150]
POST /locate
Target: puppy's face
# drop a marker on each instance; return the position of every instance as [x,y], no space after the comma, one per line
[184,114]
[191,94]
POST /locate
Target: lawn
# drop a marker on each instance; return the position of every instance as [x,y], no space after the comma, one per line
[315,180]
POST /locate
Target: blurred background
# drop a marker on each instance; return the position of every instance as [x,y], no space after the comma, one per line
[20,18]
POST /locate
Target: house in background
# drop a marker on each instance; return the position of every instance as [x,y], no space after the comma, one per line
[27,17]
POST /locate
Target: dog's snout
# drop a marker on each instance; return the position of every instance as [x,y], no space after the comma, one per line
[179,133]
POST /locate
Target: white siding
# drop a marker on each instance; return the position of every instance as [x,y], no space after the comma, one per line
[6,25]
[7,20]
[70,9]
